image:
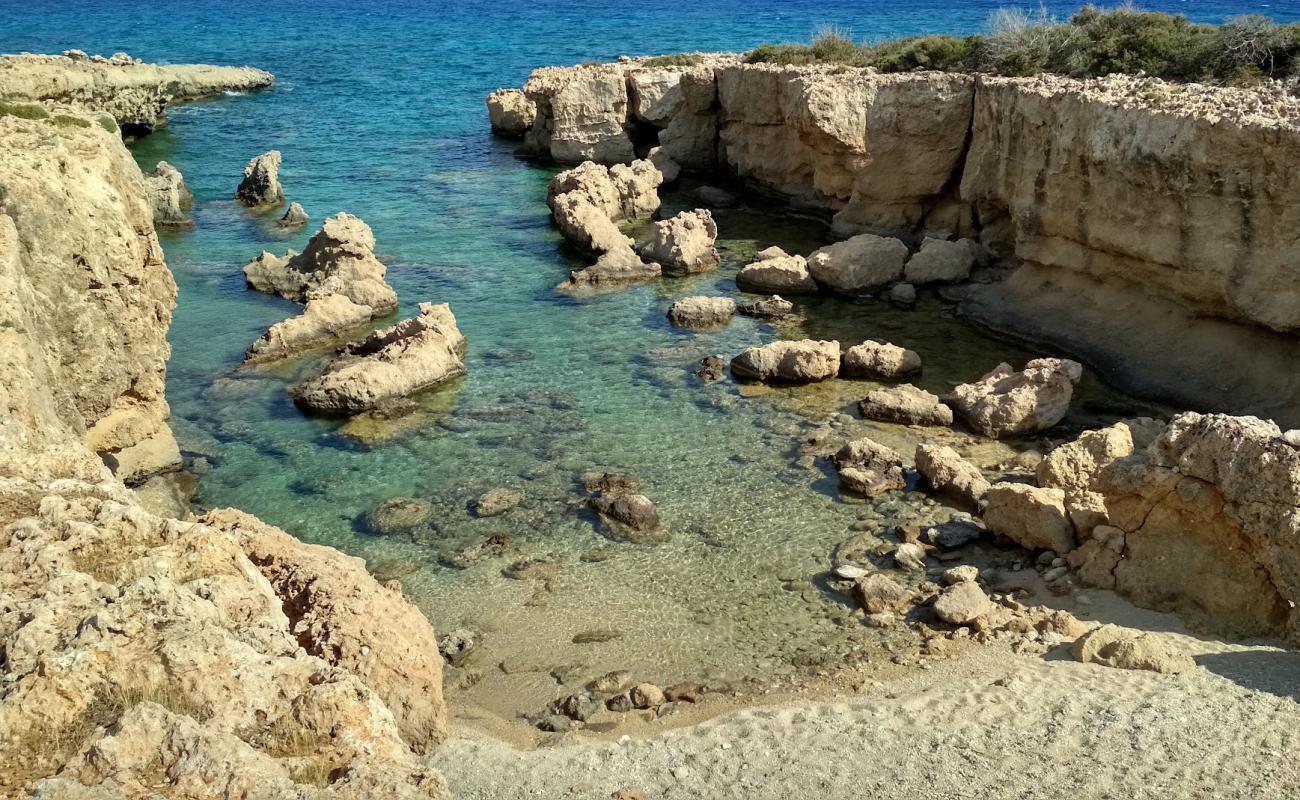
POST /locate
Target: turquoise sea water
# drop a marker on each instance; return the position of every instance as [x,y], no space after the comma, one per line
[378,110]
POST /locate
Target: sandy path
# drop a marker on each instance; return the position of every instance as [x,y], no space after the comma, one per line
[990,725]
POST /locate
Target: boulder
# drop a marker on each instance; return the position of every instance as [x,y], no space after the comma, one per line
[711,369]
[949,474]
[905,405]
[1072,467]
[588,200]
[412,356]
[942,261]
[859,265]
[1007,403]
[1030,516]
[636,511]
[869,468]
[702,312]
[613,268]
[776,272]
[326,318]
[769,308]
[340,258]
[1122,648]
[879,361]
[962,603]
[902,295]
[683,244]
[172,200]
[511,113]
[261,183]
[802,361]
[295,217]
[878,593]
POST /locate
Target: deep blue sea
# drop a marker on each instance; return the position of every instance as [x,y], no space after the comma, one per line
[378,110]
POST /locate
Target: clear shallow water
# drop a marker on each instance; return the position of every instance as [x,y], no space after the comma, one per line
[378,110]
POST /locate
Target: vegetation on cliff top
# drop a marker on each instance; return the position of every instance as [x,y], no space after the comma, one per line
[1242,51]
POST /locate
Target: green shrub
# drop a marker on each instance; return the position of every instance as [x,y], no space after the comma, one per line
[107,122]
[69,121]
[679,60]
[23,110]
[945,53]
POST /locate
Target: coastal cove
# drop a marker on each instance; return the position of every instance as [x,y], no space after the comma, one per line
[811,578]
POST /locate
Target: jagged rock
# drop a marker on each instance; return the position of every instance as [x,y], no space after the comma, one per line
[613,268]
[962,603]
[1121,648]
[774,271]
[879,361]
[261,183]
[941,261]
[589,200]
[905,405]
[702,312]
[1030,516]
[398,515]
[340,258]
[1005,402]
[295,217]
[868,468]
[950,474]
[511,112]
[769,308]
[803,361]
[1072,467]
[711,369]
[326,317]
[683,244]
[954,534]
[412,356]
[497,501]
[878,593]
[172,199]
[859,265]
[646,695]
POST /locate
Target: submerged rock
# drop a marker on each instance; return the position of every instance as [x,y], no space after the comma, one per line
[620,266]
[774,271]
[172,200]
[711,368]
[636,511]
[1005,402]
[295,217]
[412,356]
[869,468]
[905,405]
[261,183]
[326,317]
[702,312]
[683,244]
[879,361]
[859,265]
[497,501]
[399,515]
[511,113]
[340,258]
[902,295]
[803,361]
[942,261]
[878,593]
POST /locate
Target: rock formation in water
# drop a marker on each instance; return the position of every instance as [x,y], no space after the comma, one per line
[1005,402]
[868,468]
[942,261]
[340,258]
[294,217]
[905,405]
[880,361]
[414,355]
[803,361]
[683,244]
[327,317]
[947,473]
[1150,222]
[144,655]
[135,95]
[589,200]
[172,200]
[858,265]
[511,112]
[773,270]
[702,312]
[261,183]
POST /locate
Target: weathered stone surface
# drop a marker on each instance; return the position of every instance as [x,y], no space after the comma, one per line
[1073,466]
[803,361]
[340,258]
[683,244]
[261,183]
[878,593]
[869,468]
[511,113]
[582,114]
[497,501]
[636,511]
[942,261]
[905,405]
[859,265]
[326,317]
[702,312]
[589,200]
[879,361]
[770,308]
[172,199]
[1113,646]
[950,474]
[294,217]
[776,272]
[1006,403]
[1030,516]
[414,355]
[962,603]
[613,268]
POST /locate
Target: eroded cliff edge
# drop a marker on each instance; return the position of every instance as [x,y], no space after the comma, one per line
[145,655]
[1151,224]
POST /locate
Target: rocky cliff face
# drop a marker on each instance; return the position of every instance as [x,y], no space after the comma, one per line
[1151,222]
[148,656]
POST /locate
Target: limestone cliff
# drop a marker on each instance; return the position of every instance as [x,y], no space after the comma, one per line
[1151,222]
[135,94]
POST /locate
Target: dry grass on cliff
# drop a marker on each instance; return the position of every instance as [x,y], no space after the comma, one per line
[1241,52]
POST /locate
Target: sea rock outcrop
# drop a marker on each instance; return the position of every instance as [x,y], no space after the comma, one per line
[1073,468]
[589,200]
[135,95]
[340,258]
[803,361]
[261,183]
[1121,648]
[683,244]
[905,405]
[879,361]
[511,112]
[614,268]
[414,355]
[326,317]
[869,468]
[858,265]
[702,312]
[775,271]
[1007,403]
[172,200]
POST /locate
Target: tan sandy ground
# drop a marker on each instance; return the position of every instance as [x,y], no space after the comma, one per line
[986,725]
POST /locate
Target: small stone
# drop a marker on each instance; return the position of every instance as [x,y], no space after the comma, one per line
[646,695]
[962,603]
[910,556]
[966,573]
[879,592]
[849,572]
[682,693]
